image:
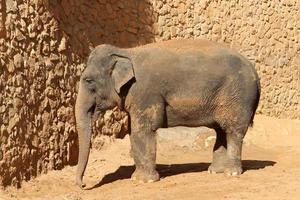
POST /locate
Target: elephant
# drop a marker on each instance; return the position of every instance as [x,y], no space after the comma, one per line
[180,82]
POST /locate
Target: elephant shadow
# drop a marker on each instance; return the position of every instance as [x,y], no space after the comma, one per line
[124,172]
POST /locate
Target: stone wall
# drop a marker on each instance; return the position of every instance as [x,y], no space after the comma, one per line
[44,45]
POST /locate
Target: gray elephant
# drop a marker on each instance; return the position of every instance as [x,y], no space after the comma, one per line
[174,83]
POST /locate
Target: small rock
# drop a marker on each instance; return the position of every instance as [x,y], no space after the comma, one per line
[10,67]
[11,6]
[18,61]
[1,155]
[19,35]
[185,137]
[3,46]
[62,46]
[13,122]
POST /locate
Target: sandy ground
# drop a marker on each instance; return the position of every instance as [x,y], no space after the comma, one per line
[271,160]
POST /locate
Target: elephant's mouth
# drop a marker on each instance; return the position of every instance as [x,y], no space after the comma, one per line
[102,107]
[92,109]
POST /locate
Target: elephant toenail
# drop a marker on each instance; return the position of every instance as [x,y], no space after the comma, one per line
[234,174]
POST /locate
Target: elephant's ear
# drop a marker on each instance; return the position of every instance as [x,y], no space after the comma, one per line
[122,71]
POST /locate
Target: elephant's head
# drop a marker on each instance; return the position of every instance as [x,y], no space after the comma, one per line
[100,88]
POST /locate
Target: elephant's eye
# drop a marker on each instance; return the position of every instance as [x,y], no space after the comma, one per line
[89,80]
[103,98]
[90,84]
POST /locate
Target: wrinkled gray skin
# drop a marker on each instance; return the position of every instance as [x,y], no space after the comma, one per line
[176,83]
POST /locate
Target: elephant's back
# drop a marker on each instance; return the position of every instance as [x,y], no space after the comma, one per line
[191,61]
[187,45]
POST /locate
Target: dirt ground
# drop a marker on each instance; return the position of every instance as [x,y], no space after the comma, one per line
[271,160]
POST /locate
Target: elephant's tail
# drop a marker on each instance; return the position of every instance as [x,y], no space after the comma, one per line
[256,102]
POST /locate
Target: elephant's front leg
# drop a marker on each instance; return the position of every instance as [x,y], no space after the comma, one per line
[143,143]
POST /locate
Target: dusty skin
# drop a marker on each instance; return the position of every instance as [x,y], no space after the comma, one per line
[270,158]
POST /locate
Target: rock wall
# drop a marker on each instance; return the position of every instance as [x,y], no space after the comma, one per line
[44,45]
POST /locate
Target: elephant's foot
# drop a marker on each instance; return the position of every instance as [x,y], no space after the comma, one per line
[145,177]
[216,168]
[80,183]
[233,168]
[219,162]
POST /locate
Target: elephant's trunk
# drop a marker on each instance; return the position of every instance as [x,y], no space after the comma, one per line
[83,113]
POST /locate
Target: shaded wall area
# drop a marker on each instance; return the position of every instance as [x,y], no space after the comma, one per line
[89,23]
[43,48]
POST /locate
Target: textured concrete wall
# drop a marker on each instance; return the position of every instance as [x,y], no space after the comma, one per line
[44,45]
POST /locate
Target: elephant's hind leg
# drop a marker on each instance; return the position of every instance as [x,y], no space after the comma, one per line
[219,153]
[234,139]
[228,147]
